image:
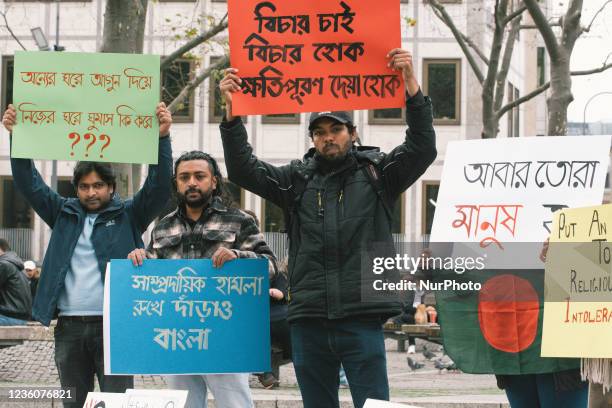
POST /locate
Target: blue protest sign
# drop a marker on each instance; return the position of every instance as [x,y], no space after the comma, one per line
[186,317]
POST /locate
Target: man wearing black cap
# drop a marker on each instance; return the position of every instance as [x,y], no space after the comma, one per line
[337,200]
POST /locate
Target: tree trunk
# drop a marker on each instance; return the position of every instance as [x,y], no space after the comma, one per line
[560,96]
[490,121]
[124,25]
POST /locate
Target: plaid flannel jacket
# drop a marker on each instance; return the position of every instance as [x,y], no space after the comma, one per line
[219,226]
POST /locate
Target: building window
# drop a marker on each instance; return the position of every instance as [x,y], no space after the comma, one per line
[16,212]
[281,118]
[541,65]
[428,207]
[8,63]
[273,219]
[442,82]
[514,125]
[393,116]
[173,80]
[216,107]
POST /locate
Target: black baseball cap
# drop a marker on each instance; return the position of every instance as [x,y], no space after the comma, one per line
[343,117]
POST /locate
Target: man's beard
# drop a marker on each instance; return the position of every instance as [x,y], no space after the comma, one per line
[201,201]
[338,157]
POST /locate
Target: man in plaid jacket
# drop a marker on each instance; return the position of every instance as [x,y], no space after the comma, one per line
[205,225]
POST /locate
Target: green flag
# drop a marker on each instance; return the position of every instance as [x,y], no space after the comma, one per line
[497,329]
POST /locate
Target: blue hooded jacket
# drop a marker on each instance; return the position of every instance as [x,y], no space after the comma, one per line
[117,230]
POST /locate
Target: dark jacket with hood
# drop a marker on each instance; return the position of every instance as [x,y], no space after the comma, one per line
[116,232]
[15,297]
[338,213]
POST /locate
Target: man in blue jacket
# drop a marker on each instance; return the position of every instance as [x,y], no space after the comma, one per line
[88,231]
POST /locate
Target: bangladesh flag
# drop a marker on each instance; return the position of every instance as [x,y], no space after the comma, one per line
[497,329]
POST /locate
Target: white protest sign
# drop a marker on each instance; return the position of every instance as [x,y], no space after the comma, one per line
[105,400]
[505,190]
[156,398]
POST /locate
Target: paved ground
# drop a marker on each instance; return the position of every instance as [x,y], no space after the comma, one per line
[32,364]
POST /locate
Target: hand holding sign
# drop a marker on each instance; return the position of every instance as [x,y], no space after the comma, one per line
[401,60]
[221,256]
[137,256]
[9,118]
[165,119]
[228,85]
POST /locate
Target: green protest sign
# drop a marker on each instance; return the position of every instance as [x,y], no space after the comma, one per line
[85,106]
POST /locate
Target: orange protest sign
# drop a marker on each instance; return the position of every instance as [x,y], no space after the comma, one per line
[314,55]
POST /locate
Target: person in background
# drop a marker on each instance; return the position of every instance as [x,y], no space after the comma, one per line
[15,297]
[33,274]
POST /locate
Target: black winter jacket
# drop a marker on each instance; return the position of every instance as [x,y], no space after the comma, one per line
[15,296]
[339,214]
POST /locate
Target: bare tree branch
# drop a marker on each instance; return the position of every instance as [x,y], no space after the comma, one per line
[488,86]
[535,27]
[592,71]
[545,29]
[8,27]
[441,13]
[588,27]
[544,87]
[205,73]
[222,25]
[515,14]
[571,25]
[522,99]
[476,49]
[502,75]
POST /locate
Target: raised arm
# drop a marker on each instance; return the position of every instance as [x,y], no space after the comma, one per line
[46,202]
[407,162]
[151,199]
[243,167]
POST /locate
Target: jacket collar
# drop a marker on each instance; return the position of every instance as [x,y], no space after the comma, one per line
[215,205]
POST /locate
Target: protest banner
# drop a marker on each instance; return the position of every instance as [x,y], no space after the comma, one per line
[314,55]
[506,190]
[105,400]
[86,106]
[155,398]
[500,195]
[186,317]
[133,398]
[578,302]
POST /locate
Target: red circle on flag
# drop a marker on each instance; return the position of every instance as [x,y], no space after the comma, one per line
[508,310]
